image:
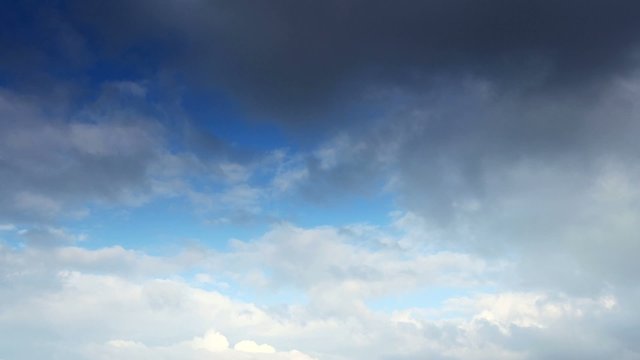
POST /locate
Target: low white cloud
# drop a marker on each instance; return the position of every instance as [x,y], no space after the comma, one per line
[249,346]
[351,263]
[114,303]
[211,341]
[524,310]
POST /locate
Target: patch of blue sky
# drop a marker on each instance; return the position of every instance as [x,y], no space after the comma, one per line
[216,113]
[10,237]
[427,297]
[157,227]
[174,221]
[371,209]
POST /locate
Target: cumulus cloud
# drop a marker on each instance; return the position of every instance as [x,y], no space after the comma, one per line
[211,341]
[249,346]
[108,315]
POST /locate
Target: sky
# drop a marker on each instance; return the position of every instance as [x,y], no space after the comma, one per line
[319,180]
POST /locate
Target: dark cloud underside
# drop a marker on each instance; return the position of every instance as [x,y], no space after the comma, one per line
[296,58]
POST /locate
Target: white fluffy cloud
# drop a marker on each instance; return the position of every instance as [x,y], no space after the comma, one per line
[89,304]
[211,344]
[252,347]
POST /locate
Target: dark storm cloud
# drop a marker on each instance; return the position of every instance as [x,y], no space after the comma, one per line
[467,89]
[298,58]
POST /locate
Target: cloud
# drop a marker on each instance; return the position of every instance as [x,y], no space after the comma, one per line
[528,310]
[297,60]
[335,264]
[116,151]
[7,227]
[211,341]
[505,132]
[45,236]
[198,348]
[535,180]
[86,314]
[249,346]
[52,166]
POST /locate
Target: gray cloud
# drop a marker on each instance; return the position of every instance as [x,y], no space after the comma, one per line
[76,306]
[541,179]
[300,59]
[57,162]
[52,166]
[468,87]
[507,127]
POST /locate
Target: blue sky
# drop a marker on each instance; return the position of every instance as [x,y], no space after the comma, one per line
[330,180]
